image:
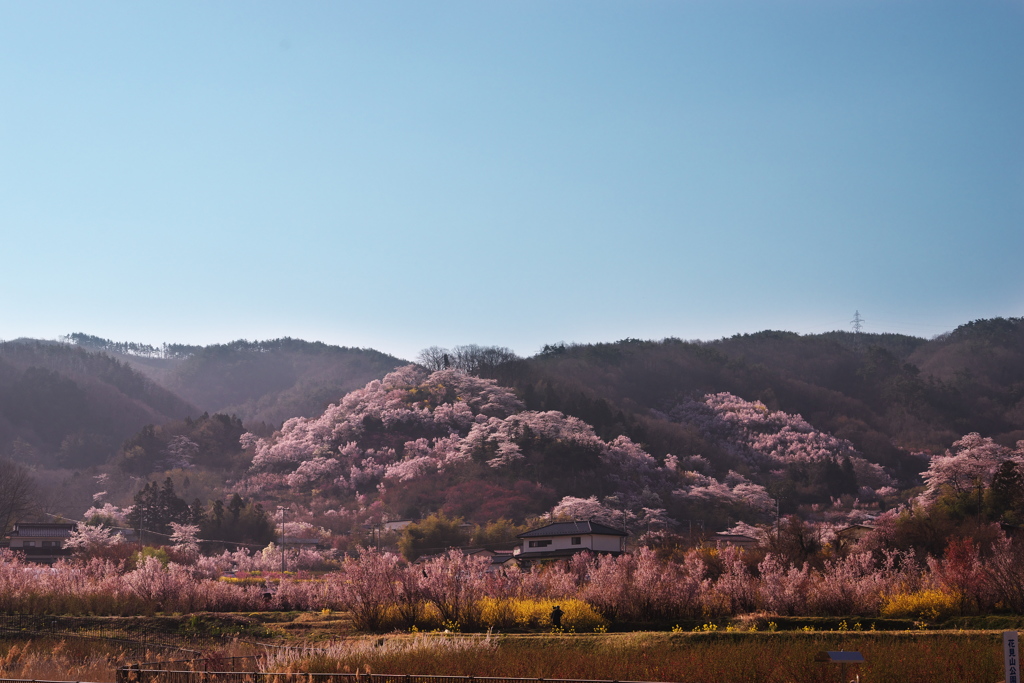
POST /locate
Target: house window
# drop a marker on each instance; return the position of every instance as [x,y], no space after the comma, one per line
[577,540]
[49,544]
[29,544]
[539,544]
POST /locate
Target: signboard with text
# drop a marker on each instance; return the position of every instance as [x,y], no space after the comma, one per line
[1011,660]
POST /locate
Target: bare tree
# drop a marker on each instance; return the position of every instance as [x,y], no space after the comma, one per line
[17,494]
[434,358]
[471,358]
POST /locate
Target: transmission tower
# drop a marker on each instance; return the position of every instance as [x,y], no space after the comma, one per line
[857,322]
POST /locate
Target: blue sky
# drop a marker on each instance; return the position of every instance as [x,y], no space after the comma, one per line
[403,174]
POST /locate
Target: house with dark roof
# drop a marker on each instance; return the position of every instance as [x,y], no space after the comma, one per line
[43,543]
[564,539]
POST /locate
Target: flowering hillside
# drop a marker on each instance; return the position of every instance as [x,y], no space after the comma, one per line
[777,445]
[416,442]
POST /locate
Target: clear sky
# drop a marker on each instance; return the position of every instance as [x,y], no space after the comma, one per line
[403,174]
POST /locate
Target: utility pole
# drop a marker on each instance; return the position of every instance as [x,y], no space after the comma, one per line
[281,509]
[777,518]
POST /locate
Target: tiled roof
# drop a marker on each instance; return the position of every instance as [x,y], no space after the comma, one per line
[572,529]
[561,552]
[42,530]
[733,537]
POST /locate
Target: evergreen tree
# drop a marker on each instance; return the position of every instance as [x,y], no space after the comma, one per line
[155,507]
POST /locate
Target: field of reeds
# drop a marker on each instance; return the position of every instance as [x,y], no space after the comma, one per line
[682,657]
[68,659]
[703,657]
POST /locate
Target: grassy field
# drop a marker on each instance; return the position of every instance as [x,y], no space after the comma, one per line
[682,657]
[685,656]
[69,659]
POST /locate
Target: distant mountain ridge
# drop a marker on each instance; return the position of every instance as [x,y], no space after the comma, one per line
[94,343]
[60,404]
[72,402]
[889,394]
[259,381]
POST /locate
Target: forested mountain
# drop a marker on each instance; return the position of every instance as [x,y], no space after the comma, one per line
[888,394]
[61,405]
[416,443]
[717,428]
[263,381]
[836,426]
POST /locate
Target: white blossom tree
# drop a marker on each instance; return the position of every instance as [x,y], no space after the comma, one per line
[184,539]
[86,539]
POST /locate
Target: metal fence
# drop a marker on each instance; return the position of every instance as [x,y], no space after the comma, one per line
[139,636]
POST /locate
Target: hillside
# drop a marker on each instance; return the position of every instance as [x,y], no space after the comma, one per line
[984,362]
[804,419]
[61,405]
[418,442]
[888,394]
[827,425]
[264,381]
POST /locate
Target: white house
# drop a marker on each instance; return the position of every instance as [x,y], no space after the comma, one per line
[565,539]
[43,543]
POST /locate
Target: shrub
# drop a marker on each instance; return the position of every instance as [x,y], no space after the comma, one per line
[931,604]
[529,614]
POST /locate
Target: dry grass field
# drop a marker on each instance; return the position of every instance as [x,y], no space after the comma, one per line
[686,657]
[681,657]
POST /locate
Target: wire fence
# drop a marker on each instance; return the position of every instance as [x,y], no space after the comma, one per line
[136,635]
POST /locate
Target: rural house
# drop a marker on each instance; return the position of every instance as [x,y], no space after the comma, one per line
[564,539]
[43,543]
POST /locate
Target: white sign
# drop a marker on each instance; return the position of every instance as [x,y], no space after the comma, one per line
[1011,659]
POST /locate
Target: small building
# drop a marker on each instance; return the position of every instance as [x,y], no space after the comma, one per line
[501,559]
[39,542]
[302,542]
[562,540]
[735,540]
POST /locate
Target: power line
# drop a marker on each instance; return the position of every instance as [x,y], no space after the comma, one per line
[157,533]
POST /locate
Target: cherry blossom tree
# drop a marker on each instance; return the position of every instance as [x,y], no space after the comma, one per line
[588,509]
[181,452]
[86,539]
[759,436]
[971,462]
[184,539]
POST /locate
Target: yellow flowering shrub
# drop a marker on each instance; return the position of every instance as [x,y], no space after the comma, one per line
[931,604]
[529,614]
